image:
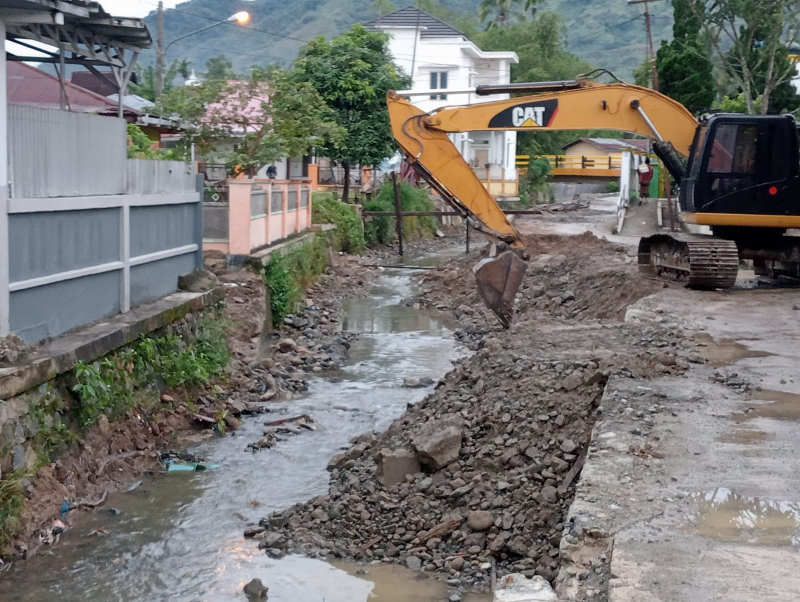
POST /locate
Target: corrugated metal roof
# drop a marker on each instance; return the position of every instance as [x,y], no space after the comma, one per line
[29,86]
[411,16]
[90,16]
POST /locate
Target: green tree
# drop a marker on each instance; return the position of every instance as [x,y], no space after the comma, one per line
[219,68]
[383,7]
[268,116]
[352,74]
[503,13]
[146,88]
[541,47]
[685,72]
[643,74]
[750,38]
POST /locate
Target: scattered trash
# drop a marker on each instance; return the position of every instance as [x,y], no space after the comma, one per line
[136,485]
[59,527]
[518,588]
[65,507]
[113,511]
[97,532]
[304,419]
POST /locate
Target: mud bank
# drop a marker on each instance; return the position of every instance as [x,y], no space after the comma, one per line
[76,459]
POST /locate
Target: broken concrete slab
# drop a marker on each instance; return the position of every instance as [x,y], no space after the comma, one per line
[438,443]
[518,588]
[395,464]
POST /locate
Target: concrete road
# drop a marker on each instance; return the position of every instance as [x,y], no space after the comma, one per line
[691,488]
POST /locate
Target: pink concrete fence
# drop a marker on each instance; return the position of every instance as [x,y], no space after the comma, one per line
[260,212]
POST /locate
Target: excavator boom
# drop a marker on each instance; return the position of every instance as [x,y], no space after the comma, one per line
[423,138]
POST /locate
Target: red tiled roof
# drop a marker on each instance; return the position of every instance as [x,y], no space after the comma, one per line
[29,86]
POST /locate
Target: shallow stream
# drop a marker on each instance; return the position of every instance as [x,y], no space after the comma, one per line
[178,537]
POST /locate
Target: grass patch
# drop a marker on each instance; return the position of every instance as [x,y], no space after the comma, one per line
[381,230]
[288,276]
[112,386]
[348,236]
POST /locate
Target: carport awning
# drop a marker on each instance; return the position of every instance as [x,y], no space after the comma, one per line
[83,29]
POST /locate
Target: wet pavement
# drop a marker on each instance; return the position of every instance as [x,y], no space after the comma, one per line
[178,537]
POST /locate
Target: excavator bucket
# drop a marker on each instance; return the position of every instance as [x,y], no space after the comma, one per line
[498,280]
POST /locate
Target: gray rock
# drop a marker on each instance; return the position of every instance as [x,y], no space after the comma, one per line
[568,446]
[549,494]
[457,563]
[254,530]
[286,345]
[354,453]
[438,444]
[394,465]
[198,281]
[411,383]
[414,563]
[480,520]
[255,590]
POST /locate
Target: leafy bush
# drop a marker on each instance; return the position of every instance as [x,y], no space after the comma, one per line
[288,276]
[280,286]
[612,187]
[535,180]
[348,236]
[381,230]
[106,386]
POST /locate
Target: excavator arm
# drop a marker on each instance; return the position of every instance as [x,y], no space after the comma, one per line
[579,105]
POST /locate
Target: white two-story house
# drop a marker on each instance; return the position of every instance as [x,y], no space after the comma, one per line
[445,66]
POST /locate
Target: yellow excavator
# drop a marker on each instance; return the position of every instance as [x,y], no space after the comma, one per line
[738,174]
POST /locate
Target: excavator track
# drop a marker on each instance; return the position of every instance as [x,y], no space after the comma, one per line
[701,262]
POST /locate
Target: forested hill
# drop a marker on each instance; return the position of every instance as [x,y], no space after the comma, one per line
[609,34]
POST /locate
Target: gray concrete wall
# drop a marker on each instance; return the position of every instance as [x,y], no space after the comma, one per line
[150,281]
[73,261]
[47,311]
[49,243]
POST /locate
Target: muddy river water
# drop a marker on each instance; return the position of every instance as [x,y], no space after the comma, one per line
[178,537]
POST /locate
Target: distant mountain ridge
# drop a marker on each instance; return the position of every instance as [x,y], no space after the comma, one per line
[607,34]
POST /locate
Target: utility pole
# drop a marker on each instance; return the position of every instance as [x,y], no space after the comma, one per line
[159,83]
[651,54]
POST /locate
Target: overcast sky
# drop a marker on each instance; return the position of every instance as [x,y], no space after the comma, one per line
[133,8]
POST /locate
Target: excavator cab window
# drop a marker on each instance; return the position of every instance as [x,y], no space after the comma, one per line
[738,161]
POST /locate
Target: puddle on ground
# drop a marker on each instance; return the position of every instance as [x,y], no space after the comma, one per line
[392,582]
[727,516]
[781,405]
[725,352]
[743,436]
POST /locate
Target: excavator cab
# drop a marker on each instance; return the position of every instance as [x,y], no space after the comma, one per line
[742,165]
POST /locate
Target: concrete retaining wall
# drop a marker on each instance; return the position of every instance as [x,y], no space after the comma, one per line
[37,393]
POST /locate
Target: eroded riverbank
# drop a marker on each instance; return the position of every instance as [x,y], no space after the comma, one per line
[179,536]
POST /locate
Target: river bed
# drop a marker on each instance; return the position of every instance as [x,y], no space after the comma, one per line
[178,537]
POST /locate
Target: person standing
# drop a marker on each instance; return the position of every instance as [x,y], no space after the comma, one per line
[645,177]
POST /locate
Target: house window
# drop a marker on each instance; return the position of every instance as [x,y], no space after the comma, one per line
[439,82]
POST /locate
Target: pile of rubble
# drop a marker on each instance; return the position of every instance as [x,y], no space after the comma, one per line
[478,477]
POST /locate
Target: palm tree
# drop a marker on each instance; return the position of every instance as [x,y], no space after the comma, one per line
[501,13]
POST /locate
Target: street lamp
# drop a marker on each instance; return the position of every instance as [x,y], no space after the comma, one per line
[242,17]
